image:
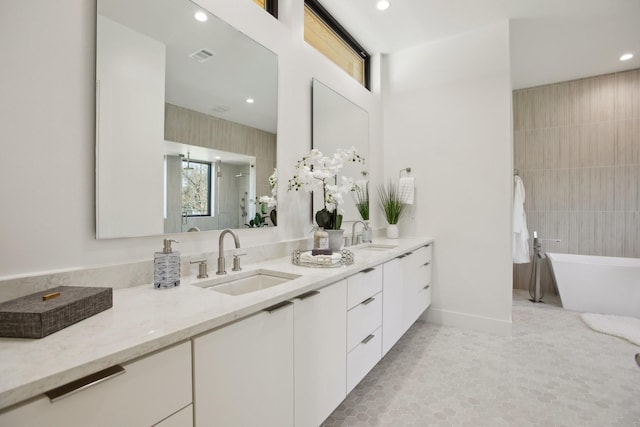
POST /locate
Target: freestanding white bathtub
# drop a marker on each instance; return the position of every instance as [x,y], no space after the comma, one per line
[598,284]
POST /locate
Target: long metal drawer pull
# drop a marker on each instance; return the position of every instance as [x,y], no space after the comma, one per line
[427,287]
[368,301]
[367,339]
[368,270]
[83,383]
[307,295]
[426,263]
[278,306]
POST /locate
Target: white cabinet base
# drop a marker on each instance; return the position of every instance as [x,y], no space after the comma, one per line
[243,372]
[151,389]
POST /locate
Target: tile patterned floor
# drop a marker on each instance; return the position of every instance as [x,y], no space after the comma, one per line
[552,371]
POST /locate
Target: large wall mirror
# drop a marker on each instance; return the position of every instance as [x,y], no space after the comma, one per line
[185,120]
[339,123]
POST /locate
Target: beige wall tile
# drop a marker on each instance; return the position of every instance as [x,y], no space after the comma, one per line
[628,95]
[579,145]
[602,98]
[559,105]
[534,150]
[632,235]
[519,150]
[603,143]
[627,142]
[550,140]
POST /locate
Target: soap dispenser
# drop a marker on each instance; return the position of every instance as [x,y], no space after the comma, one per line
[166,267]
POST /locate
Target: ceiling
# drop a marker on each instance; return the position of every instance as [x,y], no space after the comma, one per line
[551,40]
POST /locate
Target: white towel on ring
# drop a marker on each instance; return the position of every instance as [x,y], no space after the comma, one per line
[406,189]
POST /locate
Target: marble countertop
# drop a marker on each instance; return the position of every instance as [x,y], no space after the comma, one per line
[144,319]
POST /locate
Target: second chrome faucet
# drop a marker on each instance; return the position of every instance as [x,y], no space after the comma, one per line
[236,257]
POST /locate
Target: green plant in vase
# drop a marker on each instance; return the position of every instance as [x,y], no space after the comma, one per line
[360,193]
[392,207]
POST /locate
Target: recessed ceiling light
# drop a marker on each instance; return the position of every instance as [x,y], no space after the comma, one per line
[626,57]
[250,101]
[383,5]
[201,16]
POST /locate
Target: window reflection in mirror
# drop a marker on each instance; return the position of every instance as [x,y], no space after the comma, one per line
[207,189]
[168,76]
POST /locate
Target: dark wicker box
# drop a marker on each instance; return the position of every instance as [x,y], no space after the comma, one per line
[43,313]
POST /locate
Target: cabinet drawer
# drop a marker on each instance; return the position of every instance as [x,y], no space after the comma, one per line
[150,390]
[363,285]
[423,275]
[363,358]
[363,319]
[424,299]
[421,255]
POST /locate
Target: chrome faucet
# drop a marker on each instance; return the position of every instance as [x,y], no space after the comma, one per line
[221,261]
[354,241]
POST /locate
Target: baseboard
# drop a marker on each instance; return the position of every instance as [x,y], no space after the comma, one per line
[467,321]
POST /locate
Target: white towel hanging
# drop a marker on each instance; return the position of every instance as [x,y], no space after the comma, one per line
[406,189]
[520,248]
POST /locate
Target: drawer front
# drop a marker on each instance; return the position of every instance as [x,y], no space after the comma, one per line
[421,256]
[363,319]
[423,276]
[150,390]
[417,306]
[363,358]
[363,285]
[424,299]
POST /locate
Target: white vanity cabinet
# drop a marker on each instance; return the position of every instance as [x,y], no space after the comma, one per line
[243,372]
[151,390]
[417,284]
[364,324]
[393,302]
[320,366]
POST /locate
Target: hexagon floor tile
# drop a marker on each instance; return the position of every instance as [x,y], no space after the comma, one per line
[552,371]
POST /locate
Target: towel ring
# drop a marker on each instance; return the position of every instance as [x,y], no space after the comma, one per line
[406,170]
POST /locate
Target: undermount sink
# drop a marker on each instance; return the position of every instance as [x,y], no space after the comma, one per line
[377,247]
[248,282]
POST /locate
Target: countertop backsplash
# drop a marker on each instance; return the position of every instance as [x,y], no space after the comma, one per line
[121,276]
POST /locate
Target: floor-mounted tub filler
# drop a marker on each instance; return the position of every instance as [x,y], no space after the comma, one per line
[535,292]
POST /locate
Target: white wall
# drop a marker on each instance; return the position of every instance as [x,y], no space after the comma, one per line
[47,107]
[447,115]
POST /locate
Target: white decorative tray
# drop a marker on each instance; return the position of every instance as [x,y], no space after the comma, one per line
[338,259]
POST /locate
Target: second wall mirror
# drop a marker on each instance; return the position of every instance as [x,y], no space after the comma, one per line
[339,123]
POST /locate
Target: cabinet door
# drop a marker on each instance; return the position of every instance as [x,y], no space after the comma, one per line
[243,372]
[417,292]
[392,303]
[150,390]
[320,353]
